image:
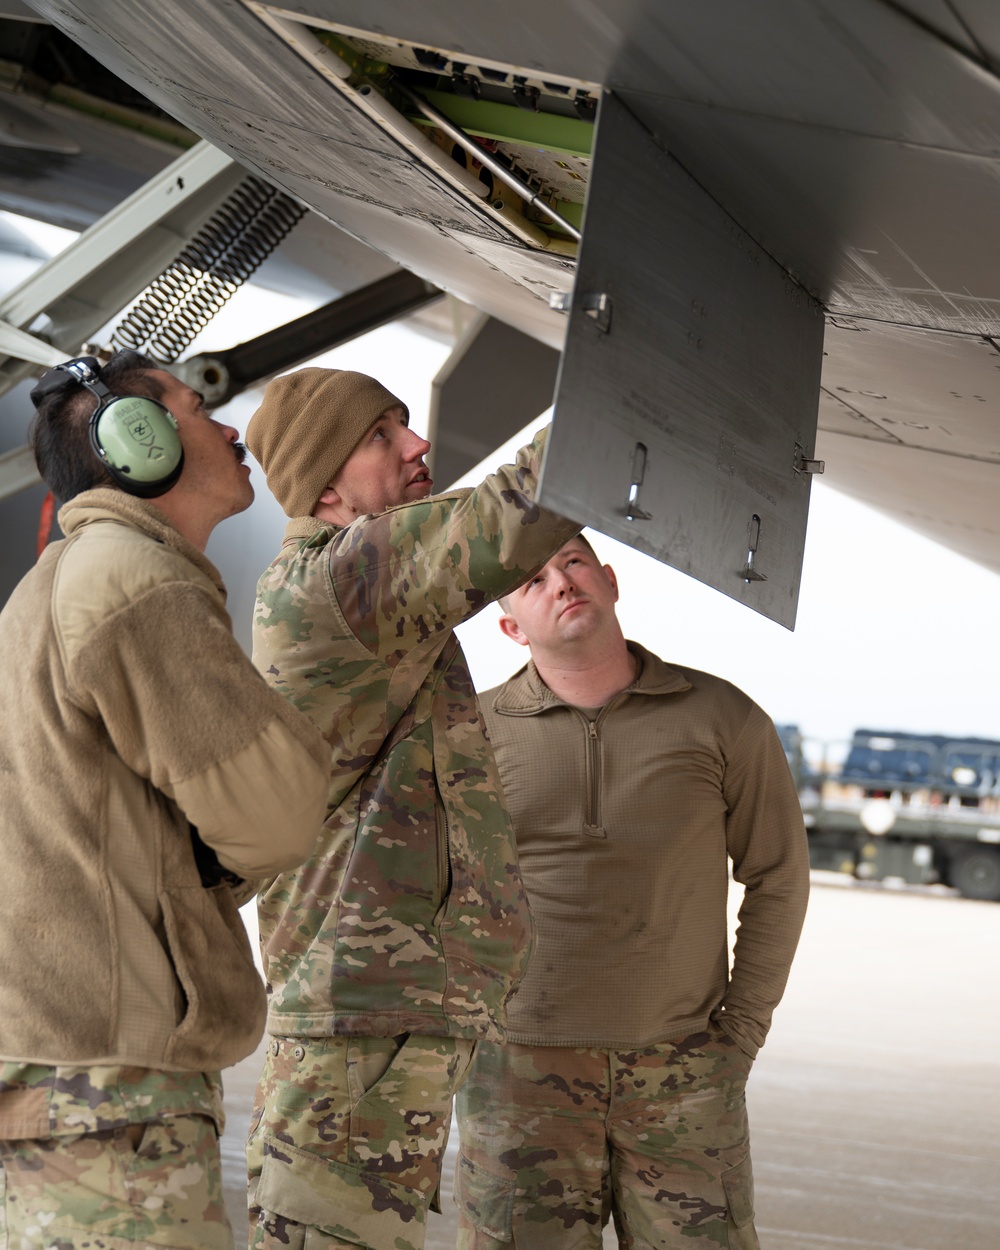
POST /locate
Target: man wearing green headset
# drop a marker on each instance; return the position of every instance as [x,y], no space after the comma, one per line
[149,778]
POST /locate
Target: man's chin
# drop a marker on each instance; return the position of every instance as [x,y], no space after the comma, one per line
[246,499]
[577,624]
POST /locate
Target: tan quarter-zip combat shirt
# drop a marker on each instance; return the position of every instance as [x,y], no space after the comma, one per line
[625,822]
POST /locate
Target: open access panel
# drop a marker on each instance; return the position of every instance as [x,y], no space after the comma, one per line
[686,402]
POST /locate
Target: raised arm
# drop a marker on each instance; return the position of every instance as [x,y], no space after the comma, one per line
[425,567]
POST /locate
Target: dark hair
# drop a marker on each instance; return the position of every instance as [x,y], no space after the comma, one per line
[58,433]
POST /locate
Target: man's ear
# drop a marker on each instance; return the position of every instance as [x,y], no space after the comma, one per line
[328,495]
[609,573]
[328,507]
[510,629]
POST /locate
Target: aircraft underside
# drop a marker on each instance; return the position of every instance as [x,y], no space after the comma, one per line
[737,223]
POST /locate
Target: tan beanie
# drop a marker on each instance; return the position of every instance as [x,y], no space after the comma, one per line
[308,424]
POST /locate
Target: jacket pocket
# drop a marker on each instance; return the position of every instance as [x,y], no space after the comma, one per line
[225,1004]
[486,1200]
[387,955]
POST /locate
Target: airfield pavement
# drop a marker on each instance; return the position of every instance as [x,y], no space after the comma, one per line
[875,1105]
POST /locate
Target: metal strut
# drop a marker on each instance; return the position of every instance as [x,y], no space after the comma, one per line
[230,247]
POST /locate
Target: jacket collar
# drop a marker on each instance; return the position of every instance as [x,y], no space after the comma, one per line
[301,527]
[525,694]
[104,503]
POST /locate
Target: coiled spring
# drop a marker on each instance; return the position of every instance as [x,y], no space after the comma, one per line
[231,245]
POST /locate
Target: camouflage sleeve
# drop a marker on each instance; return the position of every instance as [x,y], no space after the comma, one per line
[408,573]
[766,840]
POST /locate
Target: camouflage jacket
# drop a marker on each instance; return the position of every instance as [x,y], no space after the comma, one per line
[410,916]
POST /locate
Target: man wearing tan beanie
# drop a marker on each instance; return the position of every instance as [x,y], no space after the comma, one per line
[396,947]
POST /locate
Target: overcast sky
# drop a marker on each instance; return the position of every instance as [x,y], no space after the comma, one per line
[893,632]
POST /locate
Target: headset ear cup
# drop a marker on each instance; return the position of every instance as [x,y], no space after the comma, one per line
[136,440]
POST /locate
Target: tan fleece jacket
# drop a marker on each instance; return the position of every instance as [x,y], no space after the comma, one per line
[623,826]
[129,711]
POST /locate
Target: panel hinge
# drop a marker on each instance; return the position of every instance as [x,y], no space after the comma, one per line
[596,304]
[801,464]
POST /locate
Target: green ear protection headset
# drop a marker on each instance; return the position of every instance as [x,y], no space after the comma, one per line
[134,437]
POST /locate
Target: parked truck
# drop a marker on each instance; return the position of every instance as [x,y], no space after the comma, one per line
[923,808]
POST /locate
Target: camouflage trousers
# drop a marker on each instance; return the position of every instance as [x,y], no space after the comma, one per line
[157,1184]
[555,1141]
[347,1140]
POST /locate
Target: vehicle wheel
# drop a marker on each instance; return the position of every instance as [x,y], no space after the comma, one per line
[976,873]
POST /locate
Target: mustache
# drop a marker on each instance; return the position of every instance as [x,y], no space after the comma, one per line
[240,452]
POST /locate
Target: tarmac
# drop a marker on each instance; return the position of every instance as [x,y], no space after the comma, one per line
[875,1104]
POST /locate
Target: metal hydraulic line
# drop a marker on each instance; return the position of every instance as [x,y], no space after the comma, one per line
[485,158]
[221,375]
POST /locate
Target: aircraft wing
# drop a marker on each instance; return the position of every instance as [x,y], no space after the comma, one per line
[785,207]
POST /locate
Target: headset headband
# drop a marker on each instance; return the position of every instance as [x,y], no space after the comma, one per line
[84,370]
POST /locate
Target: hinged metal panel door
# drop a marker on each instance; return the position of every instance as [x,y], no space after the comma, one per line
[685,417]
